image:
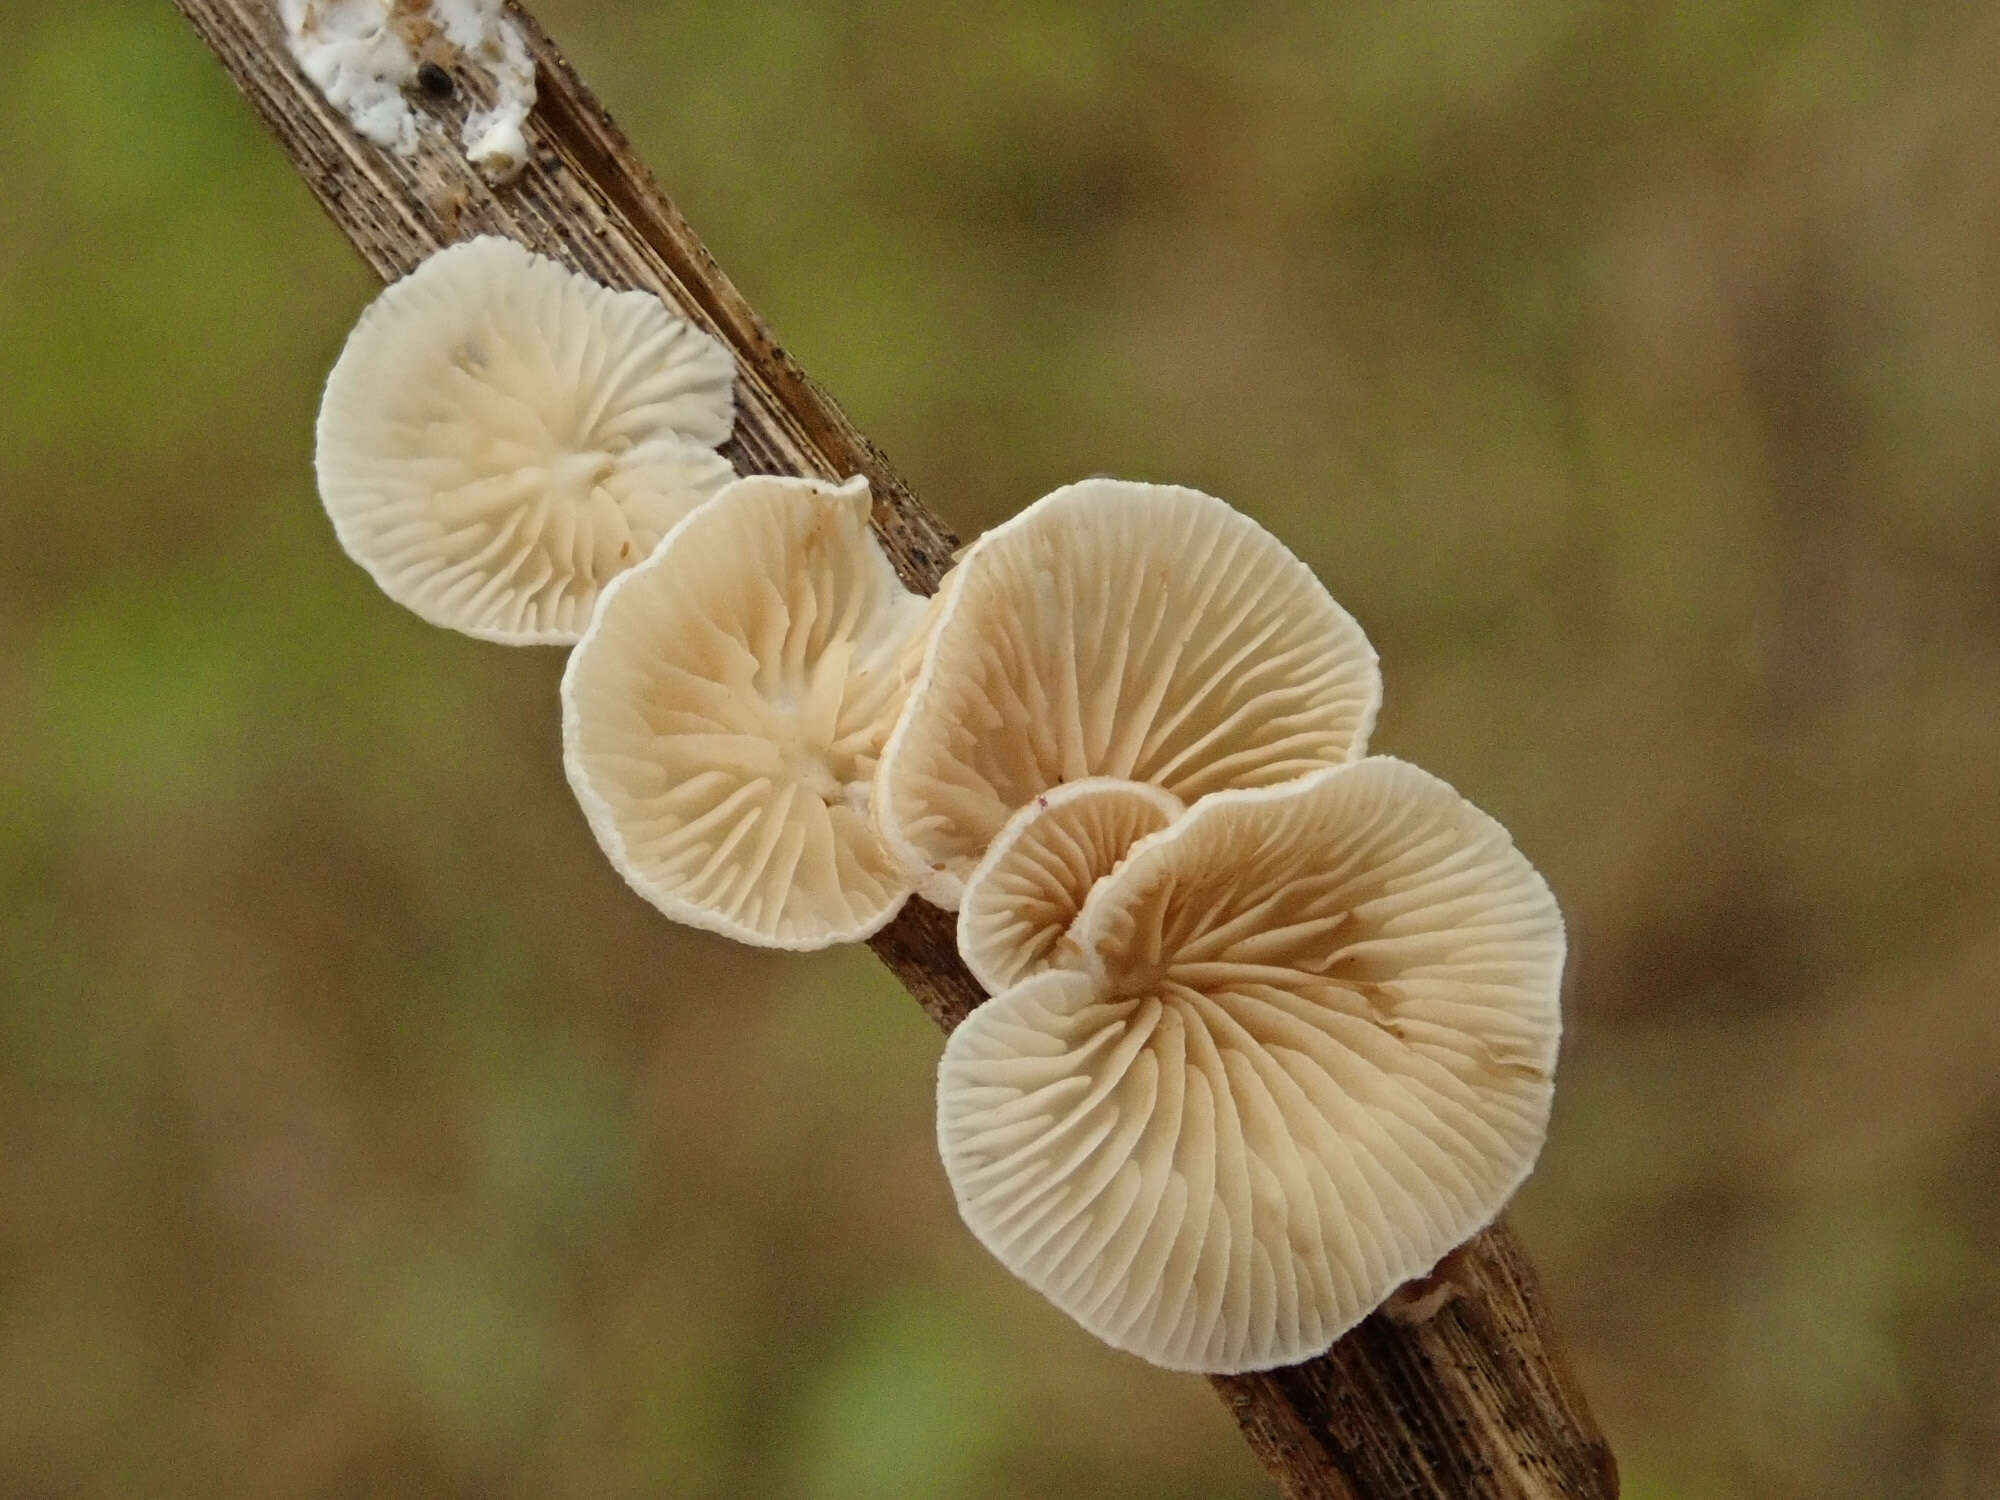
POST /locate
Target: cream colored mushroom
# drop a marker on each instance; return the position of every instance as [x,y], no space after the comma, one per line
[1307,1051]
[501,436]
[723,713]
[1139,631]
[1022,897]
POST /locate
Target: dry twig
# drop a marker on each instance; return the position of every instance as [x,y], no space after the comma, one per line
[1476,1401]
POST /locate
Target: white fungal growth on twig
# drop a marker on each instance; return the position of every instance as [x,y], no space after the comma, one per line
[365,56]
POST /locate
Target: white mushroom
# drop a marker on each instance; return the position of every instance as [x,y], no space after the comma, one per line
[1138,631]
[723,713]
[1307,1052]
[501,436]
[1022,897]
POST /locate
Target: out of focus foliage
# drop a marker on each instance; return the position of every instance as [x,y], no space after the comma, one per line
[1631,371]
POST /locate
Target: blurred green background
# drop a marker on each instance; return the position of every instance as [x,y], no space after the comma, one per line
[1630,370]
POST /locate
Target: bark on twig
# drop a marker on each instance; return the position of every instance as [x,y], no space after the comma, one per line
[1476,1401]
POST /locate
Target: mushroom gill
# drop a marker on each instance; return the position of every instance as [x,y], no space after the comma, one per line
[1306,1052]
[1137,631]
[723,714]
[501,436]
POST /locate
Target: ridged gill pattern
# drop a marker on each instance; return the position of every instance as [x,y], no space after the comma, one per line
[723,715]
[1022,897]
[1306,1050]
[501,437]
[1143,632]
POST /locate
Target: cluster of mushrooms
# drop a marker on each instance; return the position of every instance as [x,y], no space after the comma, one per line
[1274,1022]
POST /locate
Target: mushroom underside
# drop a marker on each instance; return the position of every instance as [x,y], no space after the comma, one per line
[1141,632]
[1266,1099]
[723,716]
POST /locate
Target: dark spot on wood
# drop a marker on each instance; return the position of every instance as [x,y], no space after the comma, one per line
[434,81]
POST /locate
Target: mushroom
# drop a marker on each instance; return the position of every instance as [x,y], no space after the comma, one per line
[1144,632]
[723,713]
[1305,1050]
[1022,897]
[501,436]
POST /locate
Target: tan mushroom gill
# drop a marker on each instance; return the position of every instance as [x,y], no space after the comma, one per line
[723,715]
[1306,1052]
[1023,895]
[1143,632]
[501,436]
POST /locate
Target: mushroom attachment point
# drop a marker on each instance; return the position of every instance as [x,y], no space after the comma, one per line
[1022,897]
[1307,1052]
[1139,631]
[501,436]
[723,714]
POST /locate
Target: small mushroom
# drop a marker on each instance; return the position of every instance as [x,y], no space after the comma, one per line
[723,713]
[1022,897]
[1138,631]
[1306,1053]
[501,436]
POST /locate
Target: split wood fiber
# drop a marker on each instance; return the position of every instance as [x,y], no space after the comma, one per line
[1477,1401]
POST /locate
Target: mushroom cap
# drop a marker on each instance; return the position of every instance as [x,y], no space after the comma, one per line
[1140,631]
[1022,897]
[1308,1052]
[500,436]
[723,713]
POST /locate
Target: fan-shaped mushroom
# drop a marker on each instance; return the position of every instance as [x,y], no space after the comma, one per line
[723,713]
[1139,631]
[501,436]
[1022,897]
[1307,1052]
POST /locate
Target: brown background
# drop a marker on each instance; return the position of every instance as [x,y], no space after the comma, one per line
[1629,370]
